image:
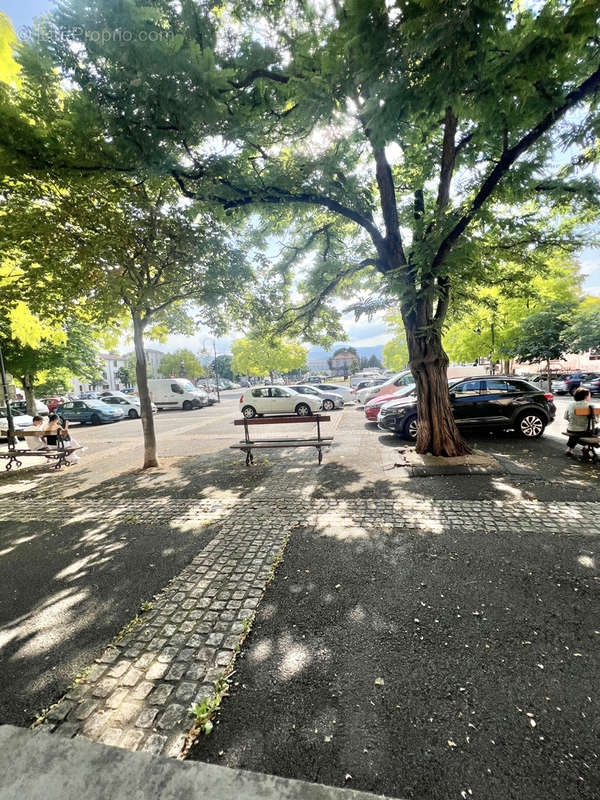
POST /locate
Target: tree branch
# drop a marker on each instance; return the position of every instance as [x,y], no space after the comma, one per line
[448,160]
[509,157]
[278,77]
[275,195]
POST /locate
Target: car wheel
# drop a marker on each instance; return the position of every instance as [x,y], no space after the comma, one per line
[303,410]
[95,420]
[530,425]
[249,412]
[328,405]
[187,406]
[409,429]
[132,413]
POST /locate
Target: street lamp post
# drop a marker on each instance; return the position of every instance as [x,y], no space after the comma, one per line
[9,417]
[204,350]
[492,363]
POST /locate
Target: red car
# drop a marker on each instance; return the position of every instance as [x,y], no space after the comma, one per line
[372,407]
[53,403]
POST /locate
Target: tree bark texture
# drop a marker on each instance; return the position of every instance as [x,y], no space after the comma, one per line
[437,432]
[27,381]
[141,371]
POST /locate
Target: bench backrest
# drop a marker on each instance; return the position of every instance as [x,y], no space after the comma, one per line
[585,412]
[33,434]
[280,420]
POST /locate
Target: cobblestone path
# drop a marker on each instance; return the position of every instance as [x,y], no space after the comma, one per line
[137,694]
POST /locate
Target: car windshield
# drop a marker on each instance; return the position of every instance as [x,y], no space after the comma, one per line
[96,403]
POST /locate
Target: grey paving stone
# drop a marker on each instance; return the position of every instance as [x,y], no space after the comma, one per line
[172,716]
[154,744]
[146,718]
[161,694]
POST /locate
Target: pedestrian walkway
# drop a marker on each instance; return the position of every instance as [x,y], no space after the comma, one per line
[138,693]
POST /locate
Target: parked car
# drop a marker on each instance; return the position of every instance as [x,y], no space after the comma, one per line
[262,400]
[328,399]
[485,403]
[313,379]
[89,396]
[404,378]
[337,388]
[53,402]
[373,407]
[20,421]
[593,386]
[560,387]
[575,380]
[20,407]
[92,411]
[129,405]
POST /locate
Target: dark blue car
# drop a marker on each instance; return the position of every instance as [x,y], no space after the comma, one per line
[92,411]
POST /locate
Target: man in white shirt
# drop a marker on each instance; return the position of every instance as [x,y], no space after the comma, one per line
[36,442]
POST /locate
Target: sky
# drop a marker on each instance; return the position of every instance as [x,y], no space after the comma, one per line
[359,334]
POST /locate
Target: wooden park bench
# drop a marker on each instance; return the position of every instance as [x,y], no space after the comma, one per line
[589,438]
[249,444]
[57,453]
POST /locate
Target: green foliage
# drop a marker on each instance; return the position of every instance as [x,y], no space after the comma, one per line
[395,353]
[259,356]
[126,376]
[583,332]
[505,305]
[71,353]
[222,367]
[170,364]
[539,337]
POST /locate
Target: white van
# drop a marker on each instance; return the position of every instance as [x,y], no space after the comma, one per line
[176,393]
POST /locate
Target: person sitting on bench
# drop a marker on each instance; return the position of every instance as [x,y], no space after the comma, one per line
[36,442]
[53,429]
[578,426]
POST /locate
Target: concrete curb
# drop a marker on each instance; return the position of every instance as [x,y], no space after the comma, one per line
[35,765]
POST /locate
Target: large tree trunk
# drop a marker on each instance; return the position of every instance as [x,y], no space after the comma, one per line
[27,381]
[437,431]
[150,456]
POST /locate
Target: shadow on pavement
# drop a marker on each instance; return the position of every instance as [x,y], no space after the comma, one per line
[421,665]
[66,589]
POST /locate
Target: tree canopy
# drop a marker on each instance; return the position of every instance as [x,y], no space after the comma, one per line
[259,357]
[171,363]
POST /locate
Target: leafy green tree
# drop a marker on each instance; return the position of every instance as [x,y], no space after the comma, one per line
[374,362]
[583,331]
[539,337]
[133,246]
[259,356]
[431,135]
[74,350]
[499,309]
[170,364]
[222,367]
[125,376]
[395,353]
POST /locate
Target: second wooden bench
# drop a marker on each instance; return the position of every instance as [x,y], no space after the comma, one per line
[249,444]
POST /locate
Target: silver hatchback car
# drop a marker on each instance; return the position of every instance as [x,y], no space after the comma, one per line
[330,399]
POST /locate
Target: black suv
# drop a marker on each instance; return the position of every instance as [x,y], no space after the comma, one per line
[486,403]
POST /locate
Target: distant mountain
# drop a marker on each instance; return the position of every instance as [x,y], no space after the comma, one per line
[318,353]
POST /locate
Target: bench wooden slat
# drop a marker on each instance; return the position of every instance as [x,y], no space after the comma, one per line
[258,441]
[280,420]
[264,446]
[585,412]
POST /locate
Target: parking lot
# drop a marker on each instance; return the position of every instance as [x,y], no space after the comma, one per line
[195,454]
